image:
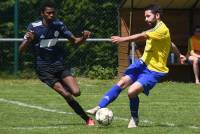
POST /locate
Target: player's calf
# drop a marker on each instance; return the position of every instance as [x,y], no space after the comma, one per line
[76,93]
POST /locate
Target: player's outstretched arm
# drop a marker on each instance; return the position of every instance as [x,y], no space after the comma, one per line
[23,46]
[135,37]
[80,40]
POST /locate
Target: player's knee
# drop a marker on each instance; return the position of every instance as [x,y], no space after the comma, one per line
[59,88]
[76,93]
[123,83]
[131,94]
[135,90]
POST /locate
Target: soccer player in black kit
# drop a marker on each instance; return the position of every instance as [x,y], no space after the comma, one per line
[42,36]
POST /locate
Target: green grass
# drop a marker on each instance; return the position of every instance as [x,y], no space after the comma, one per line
[171,108]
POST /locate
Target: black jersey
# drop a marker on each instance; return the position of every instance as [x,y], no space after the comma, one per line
[44,45]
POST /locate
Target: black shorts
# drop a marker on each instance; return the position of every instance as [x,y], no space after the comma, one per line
[52,73]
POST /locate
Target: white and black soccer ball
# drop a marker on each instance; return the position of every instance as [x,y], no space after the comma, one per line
[104,116]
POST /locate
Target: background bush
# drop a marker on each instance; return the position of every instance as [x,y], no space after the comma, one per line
[99,72]
[99,17]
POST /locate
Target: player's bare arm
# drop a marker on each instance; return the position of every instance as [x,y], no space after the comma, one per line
[24,45]
[80,40]
[181,58]
[135,37]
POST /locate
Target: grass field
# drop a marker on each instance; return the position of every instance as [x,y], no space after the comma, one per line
[29,107]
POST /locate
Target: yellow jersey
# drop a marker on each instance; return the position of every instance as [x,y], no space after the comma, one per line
[157,48]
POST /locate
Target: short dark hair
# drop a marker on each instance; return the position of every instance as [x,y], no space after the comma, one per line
[47,3]
[155,8]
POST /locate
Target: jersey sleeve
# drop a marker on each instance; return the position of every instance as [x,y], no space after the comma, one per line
[65,32]
[29,28]
[156,34]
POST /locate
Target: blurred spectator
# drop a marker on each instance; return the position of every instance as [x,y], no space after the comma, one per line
[194,52]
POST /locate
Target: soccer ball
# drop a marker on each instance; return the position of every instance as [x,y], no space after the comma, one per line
[104,116]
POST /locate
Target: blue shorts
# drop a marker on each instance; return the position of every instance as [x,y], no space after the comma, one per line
[138,72]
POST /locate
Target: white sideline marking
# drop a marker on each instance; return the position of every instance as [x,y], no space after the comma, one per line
[69,113]
[32,106]
[147,121]
[194,127]
[36,127]
[170,124]
[120,118]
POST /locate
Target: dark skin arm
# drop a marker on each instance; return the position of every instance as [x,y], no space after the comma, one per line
[24,45]
[30,36]
[80,40]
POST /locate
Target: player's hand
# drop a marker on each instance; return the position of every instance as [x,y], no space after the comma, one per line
[86,34]
[116,39]
[29,35]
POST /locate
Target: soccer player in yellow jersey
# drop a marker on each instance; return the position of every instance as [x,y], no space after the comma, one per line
[194,52]
[143,74]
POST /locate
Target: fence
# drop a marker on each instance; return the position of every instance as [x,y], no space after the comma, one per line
[100,17]
[94,53]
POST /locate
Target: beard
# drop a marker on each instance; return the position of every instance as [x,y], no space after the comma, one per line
[152,24]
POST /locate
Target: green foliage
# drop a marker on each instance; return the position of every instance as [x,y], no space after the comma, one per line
[24,74]
[7,29]
[95,16]
[91,54]
[100,17]
[27,74]
[99,72]
[6,4]
[76,72]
